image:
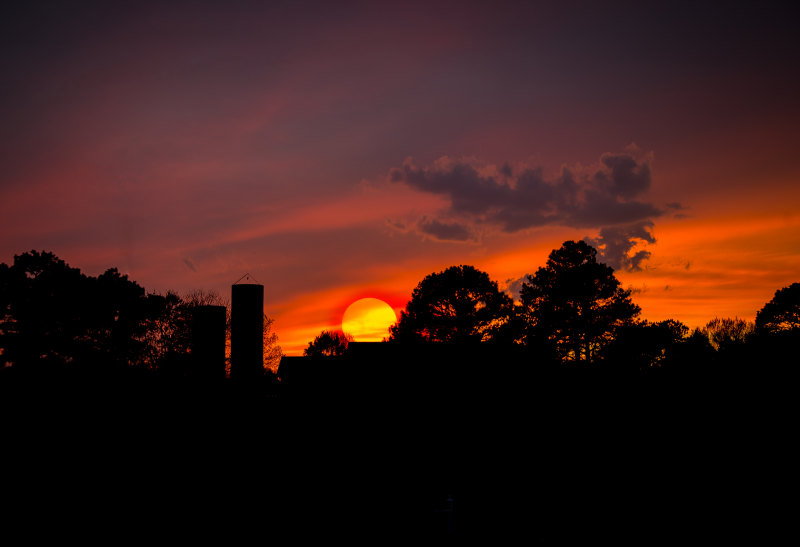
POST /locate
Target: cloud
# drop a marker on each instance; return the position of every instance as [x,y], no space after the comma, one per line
[514,286]
[614,245]
[607,196]
[675,207]
[511,201]
[445,231]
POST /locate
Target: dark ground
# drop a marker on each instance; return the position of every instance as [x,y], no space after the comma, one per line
[560,460]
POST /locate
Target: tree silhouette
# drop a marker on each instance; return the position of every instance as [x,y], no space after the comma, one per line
[459,304]
[272,350]
[692,356]
[165,334]
[54,316]
[782,313]
[644,345]
[576,303]
[40,301]
[726,333]
[328,344]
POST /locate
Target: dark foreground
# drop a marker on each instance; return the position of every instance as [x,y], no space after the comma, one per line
[569,457]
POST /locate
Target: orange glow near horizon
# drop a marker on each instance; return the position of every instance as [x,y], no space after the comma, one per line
[299,320]
[720,267]
[700,269]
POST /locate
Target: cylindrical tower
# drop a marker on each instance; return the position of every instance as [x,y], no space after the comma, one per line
[247,330]
[208,342]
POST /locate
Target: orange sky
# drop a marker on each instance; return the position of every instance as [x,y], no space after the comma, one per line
[717,263]
[701,269]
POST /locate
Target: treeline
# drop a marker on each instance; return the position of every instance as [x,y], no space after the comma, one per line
[55,320]
[574,313]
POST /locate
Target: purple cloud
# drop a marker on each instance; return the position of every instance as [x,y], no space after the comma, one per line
[608,197]
[614,245]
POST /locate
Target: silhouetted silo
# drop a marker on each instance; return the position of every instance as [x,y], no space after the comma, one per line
[247,330]
[208,341]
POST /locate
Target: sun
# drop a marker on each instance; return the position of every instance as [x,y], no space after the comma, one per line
[368,320]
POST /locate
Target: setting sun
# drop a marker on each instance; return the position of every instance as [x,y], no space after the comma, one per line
[368,320]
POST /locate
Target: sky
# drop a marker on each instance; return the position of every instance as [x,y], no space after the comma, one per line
[339,150]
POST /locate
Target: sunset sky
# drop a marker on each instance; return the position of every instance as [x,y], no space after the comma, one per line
[339,150]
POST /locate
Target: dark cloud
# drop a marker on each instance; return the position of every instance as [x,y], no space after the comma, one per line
[608,197]
[510,202]
[514,286]
[615,243]
[675,206]
[190,264]
[627,178]
[397,225]
[633,263]
[445,231]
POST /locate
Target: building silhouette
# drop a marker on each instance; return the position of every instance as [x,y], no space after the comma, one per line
[208,342]
[247,330]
